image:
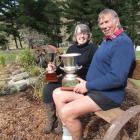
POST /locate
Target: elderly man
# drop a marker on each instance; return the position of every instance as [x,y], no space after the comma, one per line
[106,79]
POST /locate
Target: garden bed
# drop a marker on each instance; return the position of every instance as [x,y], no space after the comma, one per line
[23,117]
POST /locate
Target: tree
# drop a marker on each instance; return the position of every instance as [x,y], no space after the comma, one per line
[47,17]
[81,11]
[42,15]
[3,42]
[9,13]
[128,11]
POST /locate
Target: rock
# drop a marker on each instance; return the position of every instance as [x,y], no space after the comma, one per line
[13,89]
[18,81]
[20,76]
[18,71]
[8,90]
[29,81]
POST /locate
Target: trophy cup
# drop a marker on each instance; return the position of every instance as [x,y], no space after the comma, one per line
[51,75]
[70,67]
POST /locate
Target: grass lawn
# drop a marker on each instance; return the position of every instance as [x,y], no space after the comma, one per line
[138,55]
[137,82]
[10,55]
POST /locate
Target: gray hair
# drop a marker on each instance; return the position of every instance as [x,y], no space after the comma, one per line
[108,11]
[81,28]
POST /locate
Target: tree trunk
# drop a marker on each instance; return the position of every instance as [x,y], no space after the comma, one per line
[20,42]
[15,41]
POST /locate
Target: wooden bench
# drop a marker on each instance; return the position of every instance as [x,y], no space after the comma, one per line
[112,115]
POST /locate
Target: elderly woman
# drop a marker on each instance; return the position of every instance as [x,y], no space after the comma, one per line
[83,45]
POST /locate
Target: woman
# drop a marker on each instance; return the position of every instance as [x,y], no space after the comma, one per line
[82,45]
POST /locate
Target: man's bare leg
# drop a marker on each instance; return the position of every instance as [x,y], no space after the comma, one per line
[70,108]
[62,97]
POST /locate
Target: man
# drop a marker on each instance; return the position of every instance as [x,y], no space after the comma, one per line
[106,78]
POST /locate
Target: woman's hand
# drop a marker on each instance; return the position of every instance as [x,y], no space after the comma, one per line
[51,67]
[81,87]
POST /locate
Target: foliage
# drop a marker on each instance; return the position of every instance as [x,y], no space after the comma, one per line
[9,14]
[47,17]
[2,61]
[26,59]
[38,88]
[44,16]
[32,37]
[87,12]
[36,71]
[128,11]
[3,42]
[82,11]
[10,55]
[62,50]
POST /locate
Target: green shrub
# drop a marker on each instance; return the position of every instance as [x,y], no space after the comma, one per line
[26,60]
[36,71]
[2,61]
[62,49]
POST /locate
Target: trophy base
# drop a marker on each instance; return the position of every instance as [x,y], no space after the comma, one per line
[68,84]
[51,77]
[67,88]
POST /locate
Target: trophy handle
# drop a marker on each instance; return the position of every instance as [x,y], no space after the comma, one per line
[79,67]
[54,58]
[61,68]
[57,60]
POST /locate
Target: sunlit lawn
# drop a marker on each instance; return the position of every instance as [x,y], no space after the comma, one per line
[138,55]
[10,55]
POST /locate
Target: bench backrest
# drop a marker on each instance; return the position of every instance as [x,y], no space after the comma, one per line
[135,70]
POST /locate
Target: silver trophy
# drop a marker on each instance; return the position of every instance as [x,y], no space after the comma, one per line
[70,67]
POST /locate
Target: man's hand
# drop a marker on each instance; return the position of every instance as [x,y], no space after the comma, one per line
[81,87]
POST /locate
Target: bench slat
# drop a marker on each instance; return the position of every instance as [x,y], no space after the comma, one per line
[110,115]
[135,71]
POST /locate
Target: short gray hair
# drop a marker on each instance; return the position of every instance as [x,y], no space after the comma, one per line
[109,11]
[81,28]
